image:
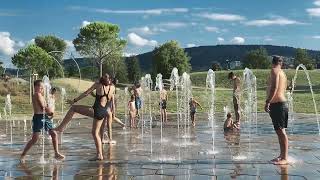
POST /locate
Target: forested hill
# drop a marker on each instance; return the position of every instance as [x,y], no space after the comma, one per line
[202,57]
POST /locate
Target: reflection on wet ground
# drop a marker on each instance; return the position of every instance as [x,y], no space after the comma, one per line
[139,154]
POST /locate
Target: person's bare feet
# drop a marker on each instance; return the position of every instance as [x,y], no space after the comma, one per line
[193,124]
[22,159]
[96,158]
[276,159]
[281,162]
[59,156]
[112,142]
[105,141]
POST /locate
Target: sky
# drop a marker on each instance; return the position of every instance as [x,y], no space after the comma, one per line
[149,23]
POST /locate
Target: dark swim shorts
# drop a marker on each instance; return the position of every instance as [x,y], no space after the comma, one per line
[37,123]
[163,104]
[138,102]
[279,115]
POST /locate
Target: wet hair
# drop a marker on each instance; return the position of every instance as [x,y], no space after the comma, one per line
[276,59]
[53,90]
[137,85]
[132,97]
[37,83]
[104,79]
[230,75]
[229,115]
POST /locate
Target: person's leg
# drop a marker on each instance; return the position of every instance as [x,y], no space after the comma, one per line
[97,139]
[193,119]
[54,138]
[161,115]
[236,107]
[83,110]
[119,121]
[165,115]
[283,147]
[109,123]
[32,141]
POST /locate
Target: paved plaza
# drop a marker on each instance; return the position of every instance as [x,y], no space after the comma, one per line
[189,154]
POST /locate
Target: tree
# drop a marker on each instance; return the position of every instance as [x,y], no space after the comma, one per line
[117,68]
[168,56]
[50,44]
[257,59]
[134,71]
[99,40]
[216,67]
[1,67]
[33,58]
[302,57]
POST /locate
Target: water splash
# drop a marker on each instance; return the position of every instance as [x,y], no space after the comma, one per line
[7,111]
[303,67]
[210,84]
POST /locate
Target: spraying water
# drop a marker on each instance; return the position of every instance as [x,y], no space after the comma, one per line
[250,96]
[174,84]
[210,84]
[7,110]
[47,88]
[303,67]
[159,85]
[185,99]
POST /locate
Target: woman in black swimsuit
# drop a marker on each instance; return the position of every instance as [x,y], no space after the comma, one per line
[101,109]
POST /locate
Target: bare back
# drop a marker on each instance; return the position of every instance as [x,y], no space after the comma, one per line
[163,94]
[236,85]
[137,92]
[107,90]
[278,84]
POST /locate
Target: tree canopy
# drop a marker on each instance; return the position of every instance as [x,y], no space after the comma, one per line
[134,71]
[168,56]
[99,40]
[257,59]
[302,57]
[33,58]
[50,44]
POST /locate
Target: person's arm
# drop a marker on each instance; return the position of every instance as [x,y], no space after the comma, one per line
[198,104]
[86,93]
[272,89]
[113,107]
[274,86]
[42,104]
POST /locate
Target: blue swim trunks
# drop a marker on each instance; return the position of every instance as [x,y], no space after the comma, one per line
[138,102]
[37,123]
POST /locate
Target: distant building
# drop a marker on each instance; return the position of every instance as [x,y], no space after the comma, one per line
[235,64]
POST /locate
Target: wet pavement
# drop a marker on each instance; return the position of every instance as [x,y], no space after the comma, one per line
[189,154]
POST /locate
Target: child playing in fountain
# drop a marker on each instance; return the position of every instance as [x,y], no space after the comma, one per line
[41,112]
[229,125]
[132,111]
[52,101]
[193,109]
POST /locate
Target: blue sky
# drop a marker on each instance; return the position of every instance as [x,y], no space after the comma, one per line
[148,23]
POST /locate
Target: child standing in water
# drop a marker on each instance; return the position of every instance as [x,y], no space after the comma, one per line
[229,125]
[193,109]
[40,107]
[132,111]
[52,100]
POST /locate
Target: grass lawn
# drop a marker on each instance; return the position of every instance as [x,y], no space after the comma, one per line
[302,97]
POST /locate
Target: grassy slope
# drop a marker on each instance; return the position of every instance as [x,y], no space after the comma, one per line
[303,100]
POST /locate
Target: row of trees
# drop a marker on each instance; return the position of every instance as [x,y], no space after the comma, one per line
[100,42]
[259,59]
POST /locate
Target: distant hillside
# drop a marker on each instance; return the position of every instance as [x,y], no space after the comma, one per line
[202,57]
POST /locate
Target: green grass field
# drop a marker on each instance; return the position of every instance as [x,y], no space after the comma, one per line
[302,97]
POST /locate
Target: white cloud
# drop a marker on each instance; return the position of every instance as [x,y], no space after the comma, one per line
[190,45]
[316,37]
[173,25]
[268,39]
[85,23]
[135,39]
[317,3]
[281,21]
[212,29]
[7,44]
[237,40]
[220,40]
[20,44]
[222,17]
[158,11]
[145,30]
[69,43]
[126,54]
[313,12]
